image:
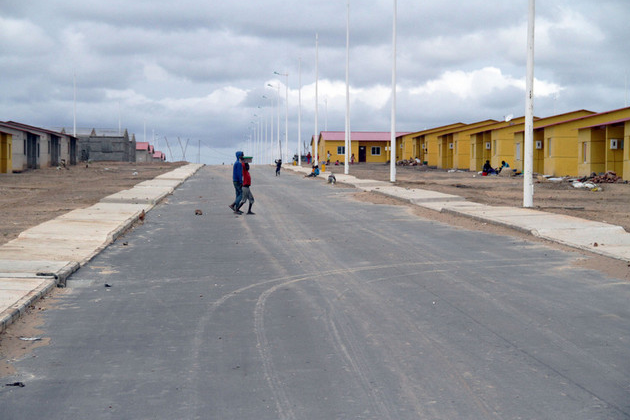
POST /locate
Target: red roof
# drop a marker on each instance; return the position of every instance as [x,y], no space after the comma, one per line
[142,145]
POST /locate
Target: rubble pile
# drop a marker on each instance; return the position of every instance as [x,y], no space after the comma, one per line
[410,162]
[609,177]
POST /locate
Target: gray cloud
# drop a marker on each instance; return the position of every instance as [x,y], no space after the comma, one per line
[196,70]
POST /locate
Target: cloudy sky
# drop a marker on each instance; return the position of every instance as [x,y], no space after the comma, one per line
[199,70]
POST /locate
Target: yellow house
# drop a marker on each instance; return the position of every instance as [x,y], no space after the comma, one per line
[510,144]
[453,146]
[604,147]
[6,152]
[557,148]
[489,142]
[435,142]
[414,145]
[365,146]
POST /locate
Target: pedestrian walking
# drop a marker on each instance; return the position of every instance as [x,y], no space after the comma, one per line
[278,166]
[247,192]
[237,180]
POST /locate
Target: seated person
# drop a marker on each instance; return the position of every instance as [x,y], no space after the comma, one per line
[488,169]
[337,163]
[314,172]
[504,164]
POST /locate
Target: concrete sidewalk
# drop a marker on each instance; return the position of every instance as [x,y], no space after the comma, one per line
[43,256]
[600,238]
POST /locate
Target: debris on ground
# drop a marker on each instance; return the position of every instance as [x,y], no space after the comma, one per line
[409,162]
[587,185]
[18,384]
[602,178]
[198,212]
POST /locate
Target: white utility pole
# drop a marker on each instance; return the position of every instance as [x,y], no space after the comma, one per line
[315,143]
[392,160]
[74,111]
[348,140]
[286,115]
[299,161]
[528,162]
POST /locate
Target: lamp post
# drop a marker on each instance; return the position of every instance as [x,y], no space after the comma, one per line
[528,164]
[315,143]
[286,115]
[392,158]
[278,120]
[348,140]
[299,148]
[254,151]
[265,148]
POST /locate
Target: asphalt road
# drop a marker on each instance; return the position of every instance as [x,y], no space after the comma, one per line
[324,307]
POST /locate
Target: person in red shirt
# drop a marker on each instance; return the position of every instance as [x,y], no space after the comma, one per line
[247,193]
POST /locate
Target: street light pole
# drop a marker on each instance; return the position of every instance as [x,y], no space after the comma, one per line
[286,115]
[299,162]
[528,163]
[278,120]
[392,159]
[348,140]
[315,143]
[266,150]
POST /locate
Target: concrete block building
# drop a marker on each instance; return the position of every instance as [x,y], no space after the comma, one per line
[106,145]
[144,151]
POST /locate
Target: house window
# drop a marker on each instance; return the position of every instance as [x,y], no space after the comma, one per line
[24,147]
[376,150]
[494,147]
[549,146]
[341,150]
[518,151]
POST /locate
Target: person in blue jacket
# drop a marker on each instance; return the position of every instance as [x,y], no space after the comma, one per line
[314,172]
[237,179]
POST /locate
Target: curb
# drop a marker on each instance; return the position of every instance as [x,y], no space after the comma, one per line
[58,278]
[449,206]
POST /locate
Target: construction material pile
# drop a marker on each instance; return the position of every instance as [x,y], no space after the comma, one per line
[609,177]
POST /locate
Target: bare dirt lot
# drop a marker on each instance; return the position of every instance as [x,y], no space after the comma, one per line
[610,205]
[32,197]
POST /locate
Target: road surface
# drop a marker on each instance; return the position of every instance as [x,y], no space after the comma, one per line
[324,307]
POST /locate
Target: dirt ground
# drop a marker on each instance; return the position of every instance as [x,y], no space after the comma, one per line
[35,196]
[611,205]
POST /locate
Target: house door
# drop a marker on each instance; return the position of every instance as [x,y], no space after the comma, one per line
[73,151]
[362,154]
[31,151]
[54,151]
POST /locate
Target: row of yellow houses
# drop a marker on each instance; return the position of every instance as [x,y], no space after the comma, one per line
[574,144]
